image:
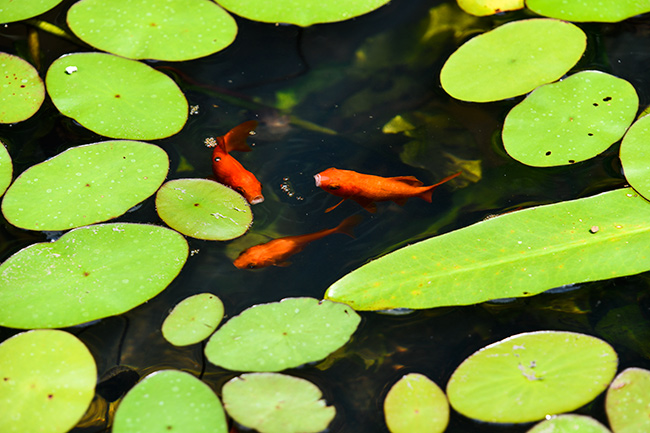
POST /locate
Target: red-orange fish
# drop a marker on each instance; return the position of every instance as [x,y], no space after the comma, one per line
[228,170]
[277,251]
[366,189]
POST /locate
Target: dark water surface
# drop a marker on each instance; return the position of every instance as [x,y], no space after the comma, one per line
[355,99]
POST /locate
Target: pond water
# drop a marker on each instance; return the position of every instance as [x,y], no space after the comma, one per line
[352,77]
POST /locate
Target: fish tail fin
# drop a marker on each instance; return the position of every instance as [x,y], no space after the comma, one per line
[426,195]
[235,139]
[347,225]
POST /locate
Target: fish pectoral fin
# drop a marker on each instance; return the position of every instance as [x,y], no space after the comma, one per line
[332,207]
[367,204]
[282,264]
[401,201]
[409,180]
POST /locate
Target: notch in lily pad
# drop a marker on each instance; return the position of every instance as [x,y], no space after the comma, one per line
[193,319]
[21,91]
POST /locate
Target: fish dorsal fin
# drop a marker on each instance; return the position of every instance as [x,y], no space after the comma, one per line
[235,139]
[409,180]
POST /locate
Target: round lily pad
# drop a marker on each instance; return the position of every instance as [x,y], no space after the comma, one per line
[116,97]
[87,274]
[21,91]
[6,168]
[164,30]
[203,209]
[570,424]
[635,157]
[628,401]
[415,404]
[280,335]
[570,121]
[193,319]
[170,401]
[529,376]
[301,12]
[489,7]
[11,10]
[85,185]
[512,59]
[589,10]
[276,403]
[48,382]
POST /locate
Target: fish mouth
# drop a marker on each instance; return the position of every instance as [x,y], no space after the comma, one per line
[317,178]
[257,199]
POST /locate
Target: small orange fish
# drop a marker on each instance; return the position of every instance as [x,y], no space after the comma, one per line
[277,251]
[228,170]
[366,189]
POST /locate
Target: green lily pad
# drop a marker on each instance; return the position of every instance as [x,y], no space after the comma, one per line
[170,30]
[589,10]
[512,59]
[489,7]
[11,10]
[538,373]
[628,401]
[22,91]
[300,12]
[634,156]
[280,335]
[518,254]
[203,209]
[569,424]
[276,403]
[6,169]
[170,401]
[85,185]
[415,404]
[48,382]
[88,274]
[570,121]
[116,97]
[193,319]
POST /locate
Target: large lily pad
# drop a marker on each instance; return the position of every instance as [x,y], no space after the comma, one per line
[116,97]
[569,424]
[6,168]
[193,319]
[48,381]
[529,376]
[85,185]
[628,401]
[280,335]
[163,29]
[170,401]
[11,10]
[87,274]
[203,209]
[517,254]
[21,90]
[589,10]
[512,59]
[635,157]
[571,120]
[276,403]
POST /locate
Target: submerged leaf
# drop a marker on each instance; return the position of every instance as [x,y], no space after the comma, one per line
[21,89]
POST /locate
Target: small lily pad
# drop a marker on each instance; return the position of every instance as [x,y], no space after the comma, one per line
[21,90]
[116,97]
[193,319]
[635,157]
[276,403]
[512,59]
[6,169]
[85,185]
[589,10]
[538,373]
[11,10]
[88,274]
[415,404]
[170,401]
[48,382]
[489,7]
[570,424]
[280,335]
[628,401]
[203,209]
[570,121]
[170,30]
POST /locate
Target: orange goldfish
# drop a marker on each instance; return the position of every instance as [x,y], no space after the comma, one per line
[277,251]
[367,189]
[228,170]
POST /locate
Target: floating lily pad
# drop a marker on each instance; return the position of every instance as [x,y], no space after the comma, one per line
[415,404]
[635,157]
[48,382]
[193,319]
[280,335]
[170,401]
[203,209]
[512,59]
[570,121]
[489,7]
[589,10]
[628,401]
[6,168]
[301,12]
[88,274]
[538,373]
[116,97]
[85,185]
[276,403]
[21,89]
[164,30]
[11,10]
[569,424]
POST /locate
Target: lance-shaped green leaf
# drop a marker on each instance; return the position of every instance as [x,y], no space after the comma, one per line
[193,319]
[517,254]
[628,401]
[21,89]
[11,10]
[589,10]
[88,274]
[635,157]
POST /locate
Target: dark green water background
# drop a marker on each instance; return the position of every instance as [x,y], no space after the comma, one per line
[265,59]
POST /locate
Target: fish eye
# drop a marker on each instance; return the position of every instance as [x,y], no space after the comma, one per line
[251,266]
[217,159]
[333,186]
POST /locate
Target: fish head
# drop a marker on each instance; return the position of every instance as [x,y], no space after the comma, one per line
[252,193]
[250,259]
[329,180]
